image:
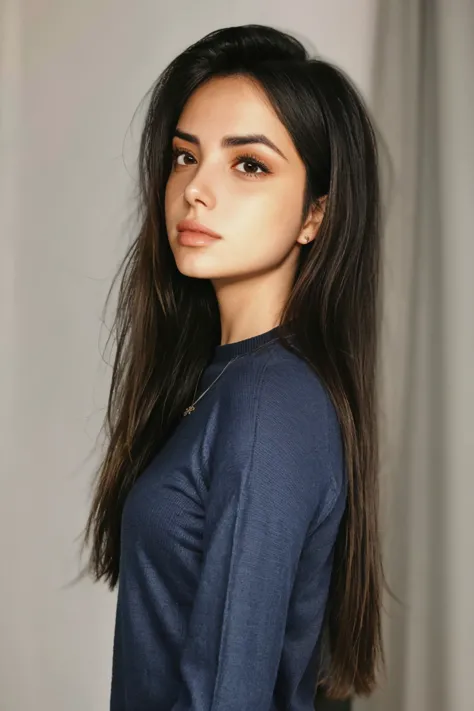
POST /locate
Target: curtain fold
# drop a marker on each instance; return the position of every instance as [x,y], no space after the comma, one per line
[423,103]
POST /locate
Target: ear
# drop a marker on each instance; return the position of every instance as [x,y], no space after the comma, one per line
[313,221]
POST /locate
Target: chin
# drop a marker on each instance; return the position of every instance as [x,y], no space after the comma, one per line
[191,263]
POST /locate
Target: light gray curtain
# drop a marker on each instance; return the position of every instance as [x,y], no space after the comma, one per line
[423,102]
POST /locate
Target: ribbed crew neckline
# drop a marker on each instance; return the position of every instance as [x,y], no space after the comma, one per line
[225,353]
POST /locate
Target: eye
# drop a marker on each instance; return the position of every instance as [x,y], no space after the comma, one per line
[253,166]
[178,153]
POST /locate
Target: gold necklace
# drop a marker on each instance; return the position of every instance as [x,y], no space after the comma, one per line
[192,407]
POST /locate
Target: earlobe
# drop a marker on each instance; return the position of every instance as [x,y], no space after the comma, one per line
[314,220]
[304,239]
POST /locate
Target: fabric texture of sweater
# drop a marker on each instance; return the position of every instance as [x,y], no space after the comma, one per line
[227,544]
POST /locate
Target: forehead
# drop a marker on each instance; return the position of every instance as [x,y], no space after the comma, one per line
[232,105]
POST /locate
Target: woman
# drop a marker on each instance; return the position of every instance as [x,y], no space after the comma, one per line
[237,502]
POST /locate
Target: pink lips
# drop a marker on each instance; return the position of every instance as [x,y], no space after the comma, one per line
[193,234]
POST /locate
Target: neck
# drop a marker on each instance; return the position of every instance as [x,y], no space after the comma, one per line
[250,307]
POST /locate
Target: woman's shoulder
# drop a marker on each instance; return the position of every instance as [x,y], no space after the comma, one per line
[276,417]
[281,379]
[276,394]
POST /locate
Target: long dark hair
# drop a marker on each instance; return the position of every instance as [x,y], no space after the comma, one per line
[167,325]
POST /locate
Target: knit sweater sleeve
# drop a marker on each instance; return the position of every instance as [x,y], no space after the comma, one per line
[271,484]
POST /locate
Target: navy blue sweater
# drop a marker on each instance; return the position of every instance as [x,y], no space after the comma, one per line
[227,544]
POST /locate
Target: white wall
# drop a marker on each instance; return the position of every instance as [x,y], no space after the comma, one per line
[72,74]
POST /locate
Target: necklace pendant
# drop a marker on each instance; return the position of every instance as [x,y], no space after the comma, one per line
[188,410]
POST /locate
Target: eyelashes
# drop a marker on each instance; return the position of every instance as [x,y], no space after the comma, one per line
[247,158]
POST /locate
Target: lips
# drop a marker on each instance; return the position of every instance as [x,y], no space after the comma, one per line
[191,238]
[197,228]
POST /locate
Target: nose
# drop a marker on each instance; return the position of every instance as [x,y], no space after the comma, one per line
[198,191]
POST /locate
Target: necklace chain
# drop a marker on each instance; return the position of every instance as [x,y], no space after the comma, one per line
[192,407]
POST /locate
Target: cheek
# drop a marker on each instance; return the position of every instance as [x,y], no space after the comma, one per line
[168,197]
[171,204]
[269,224]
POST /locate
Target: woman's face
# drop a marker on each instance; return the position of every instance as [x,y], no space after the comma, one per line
[253,203]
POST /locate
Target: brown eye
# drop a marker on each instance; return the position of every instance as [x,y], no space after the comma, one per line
[250,167]
[178,153]
[253,167]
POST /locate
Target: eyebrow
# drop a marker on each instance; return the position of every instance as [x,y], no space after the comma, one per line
[231,141]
